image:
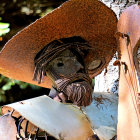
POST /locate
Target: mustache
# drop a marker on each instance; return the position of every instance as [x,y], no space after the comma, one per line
[78,88]
[76,77]
[63,82]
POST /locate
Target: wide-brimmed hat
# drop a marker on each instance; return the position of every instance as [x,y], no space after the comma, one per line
[89,19]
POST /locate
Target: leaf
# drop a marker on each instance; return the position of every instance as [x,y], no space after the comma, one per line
[4,25]
[6,87]
[23,85]
[4,31]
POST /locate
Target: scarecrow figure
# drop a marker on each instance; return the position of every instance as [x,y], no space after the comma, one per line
[63,50]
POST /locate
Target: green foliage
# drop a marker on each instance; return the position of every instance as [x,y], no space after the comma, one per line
[11,83]
[48,10]
[4,31]
[4,27]
[7,84]
[93,81]
[2,97]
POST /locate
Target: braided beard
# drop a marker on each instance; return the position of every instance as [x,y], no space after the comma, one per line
[80,93]
[77,88]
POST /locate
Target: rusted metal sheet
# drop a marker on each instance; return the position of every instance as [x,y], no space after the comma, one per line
[57,119]
[68,121]
[128,109]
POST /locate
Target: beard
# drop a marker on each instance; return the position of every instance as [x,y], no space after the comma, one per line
[80,93]
[77,88]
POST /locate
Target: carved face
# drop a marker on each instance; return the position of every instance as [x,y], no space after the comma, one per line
[69,77]
[65,64]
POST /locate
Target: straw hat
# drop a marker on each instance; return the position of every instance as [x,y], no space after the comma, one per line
[89,19]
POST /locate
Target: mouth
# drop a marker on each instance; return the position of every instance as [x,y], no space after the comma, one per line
[81,78]
[78,81]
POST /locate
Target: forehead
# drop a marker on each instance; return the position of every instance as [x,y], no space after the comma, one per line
[66,53]
[67,56]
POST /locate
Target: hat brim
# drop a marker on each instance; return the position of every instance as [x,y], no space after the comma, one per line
[91,20]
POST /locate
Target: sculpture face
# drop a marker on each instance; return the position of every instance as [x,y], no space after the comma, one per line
[70,80]
[65,64]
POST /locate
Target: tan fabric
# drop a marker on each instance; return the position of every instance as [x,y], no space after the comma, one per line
[90,19]
[128,108]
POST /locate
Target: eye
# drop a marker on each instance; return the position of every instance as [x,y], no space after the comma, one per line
[60,64]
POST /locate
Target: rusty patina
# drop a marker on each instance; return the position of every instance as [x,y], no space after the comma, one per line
[128,109]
